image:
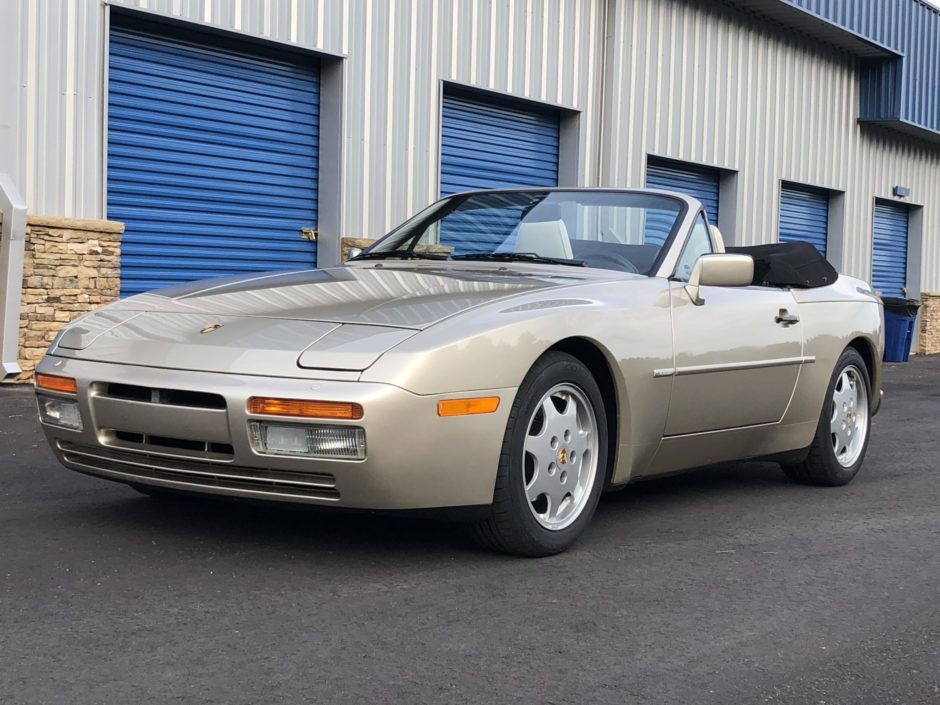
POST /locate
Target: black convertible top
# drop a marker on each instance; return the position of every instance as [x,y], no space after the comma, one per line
[789,264]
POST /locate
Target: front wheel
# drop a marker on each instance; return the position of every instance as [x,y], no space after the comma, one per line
[553,464]
[841,439]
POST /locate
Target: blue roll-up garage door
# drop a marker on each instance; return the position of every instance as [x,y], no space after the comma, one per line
[804,215]
[698,182]
[495,145]
[889,249]
[212,156]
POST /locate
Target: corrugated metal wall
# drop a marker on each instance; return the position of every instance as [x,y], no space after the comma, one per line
[685,79]
[771,107]
[397,54]
[910,28]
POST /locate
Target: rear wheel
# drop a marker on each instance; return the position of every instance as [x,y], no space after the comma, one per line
[841,440]
[553,463]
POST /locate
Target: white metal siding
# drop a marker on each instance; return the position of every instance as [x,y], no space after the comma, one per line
[397,54]
[692,80]
[697,81]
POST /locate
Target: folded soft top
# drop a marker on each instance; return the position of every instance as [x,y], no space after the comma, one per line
[789,264]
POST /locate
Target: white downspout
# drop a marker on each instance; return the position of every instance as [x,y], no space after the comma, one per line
[12,246]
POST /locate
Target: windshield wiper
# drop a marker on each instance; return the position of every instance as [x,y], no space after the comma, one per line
[519,257]
[398,254]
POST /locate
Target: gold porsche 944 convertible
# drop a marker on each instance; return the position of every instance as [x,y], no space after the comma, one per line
[504,354]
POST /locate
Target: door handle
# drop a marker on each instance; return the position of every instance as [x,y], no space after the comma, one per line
[786,319]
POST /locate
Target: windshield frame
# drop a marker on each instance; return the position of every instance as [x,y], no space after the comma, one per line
[440,208]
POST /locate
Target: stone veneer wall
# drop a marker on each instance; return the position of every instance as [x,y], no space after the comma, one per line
[930,323]
[70,266]
[347,243]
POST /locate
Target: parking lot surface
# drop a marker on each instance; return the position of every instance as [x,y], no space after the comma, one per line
[728,585]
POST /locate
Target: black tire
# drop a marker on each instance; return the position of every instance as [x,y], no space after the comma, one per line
[820,466]
[511,526]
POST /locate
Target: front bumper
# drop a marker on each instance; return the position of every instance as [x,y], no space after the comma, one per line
[415,459]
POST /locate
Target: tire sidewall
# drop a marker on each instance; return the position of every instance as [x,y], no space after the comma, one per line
[552,369]
[849,357]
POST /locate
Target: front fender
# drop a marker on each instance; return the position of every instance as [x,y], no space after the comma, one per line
[496,346]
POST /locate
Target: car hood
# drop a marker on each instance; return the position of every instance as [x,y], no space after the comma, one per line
[280,324]
[382,296]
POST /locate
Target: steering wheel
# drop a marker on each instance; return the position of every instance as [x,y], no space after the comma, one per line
[613,260]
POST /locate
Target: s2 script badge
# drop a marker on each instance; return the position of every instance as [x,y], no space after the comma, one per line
[211,327]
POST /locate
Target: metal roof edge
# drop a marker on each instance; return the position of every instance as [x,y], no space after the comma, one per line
[907,127]
[817,27]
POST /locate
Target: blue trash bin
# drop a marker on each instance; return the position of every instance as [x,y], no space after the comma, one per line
[900,318]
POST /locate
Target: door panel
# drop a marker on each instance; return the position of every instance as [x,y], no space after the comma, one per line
[201,130]
[697,181]
[490,145]
[889,249]
[804,216]
[735,365]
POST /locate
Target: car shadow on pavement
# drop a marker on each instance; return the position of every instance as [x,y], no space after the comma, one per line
[248,525]
[217,523]
[749,477]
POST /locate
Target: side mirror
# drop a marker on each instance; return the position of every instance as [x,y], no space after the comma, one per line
[719,270]
[353,252]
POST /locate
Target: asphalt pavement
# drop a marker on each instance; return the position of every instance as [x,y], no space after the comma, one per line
[728,585]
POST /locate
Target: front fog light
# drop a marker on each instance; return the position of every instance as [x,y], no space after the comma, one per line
[60,412]
[310,441]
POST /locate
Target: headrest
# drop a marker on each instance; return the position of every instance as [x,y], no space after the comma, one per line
[548,238]
[717,238]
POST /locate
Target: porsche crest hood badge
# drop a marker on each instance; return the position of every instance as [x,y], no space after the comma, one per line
[211,327]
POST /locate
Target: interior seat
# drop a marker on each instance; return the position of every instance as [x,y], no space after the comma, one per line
[547,238]
[717,239]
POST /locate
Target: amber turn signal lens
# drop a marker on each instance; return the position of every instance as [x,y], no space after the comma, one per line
[304,409]
[50,383]
[465,407]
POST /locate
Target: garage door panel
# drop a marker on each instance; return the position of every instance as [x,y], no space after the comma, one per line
[889,249]
[224,203]
[227,104]
[157,61]
[181,150]
[133,190]
[212,156]
[701,183]
[275,138]
[804,216]
[485,145]
[226,177]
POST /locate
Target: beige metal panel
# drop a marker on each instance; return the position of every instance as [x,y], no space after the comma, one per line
[697,81]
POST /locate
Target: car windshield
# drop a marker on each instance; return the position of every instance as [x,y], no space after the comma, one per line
[605,229]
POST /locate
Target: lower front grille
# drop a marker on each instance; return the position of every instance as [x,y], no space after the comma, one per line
[183,446]
[155,395]
[129,466]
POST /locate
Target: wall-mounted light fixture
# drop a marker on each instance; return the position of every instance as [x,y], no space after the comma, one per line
[902,191]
